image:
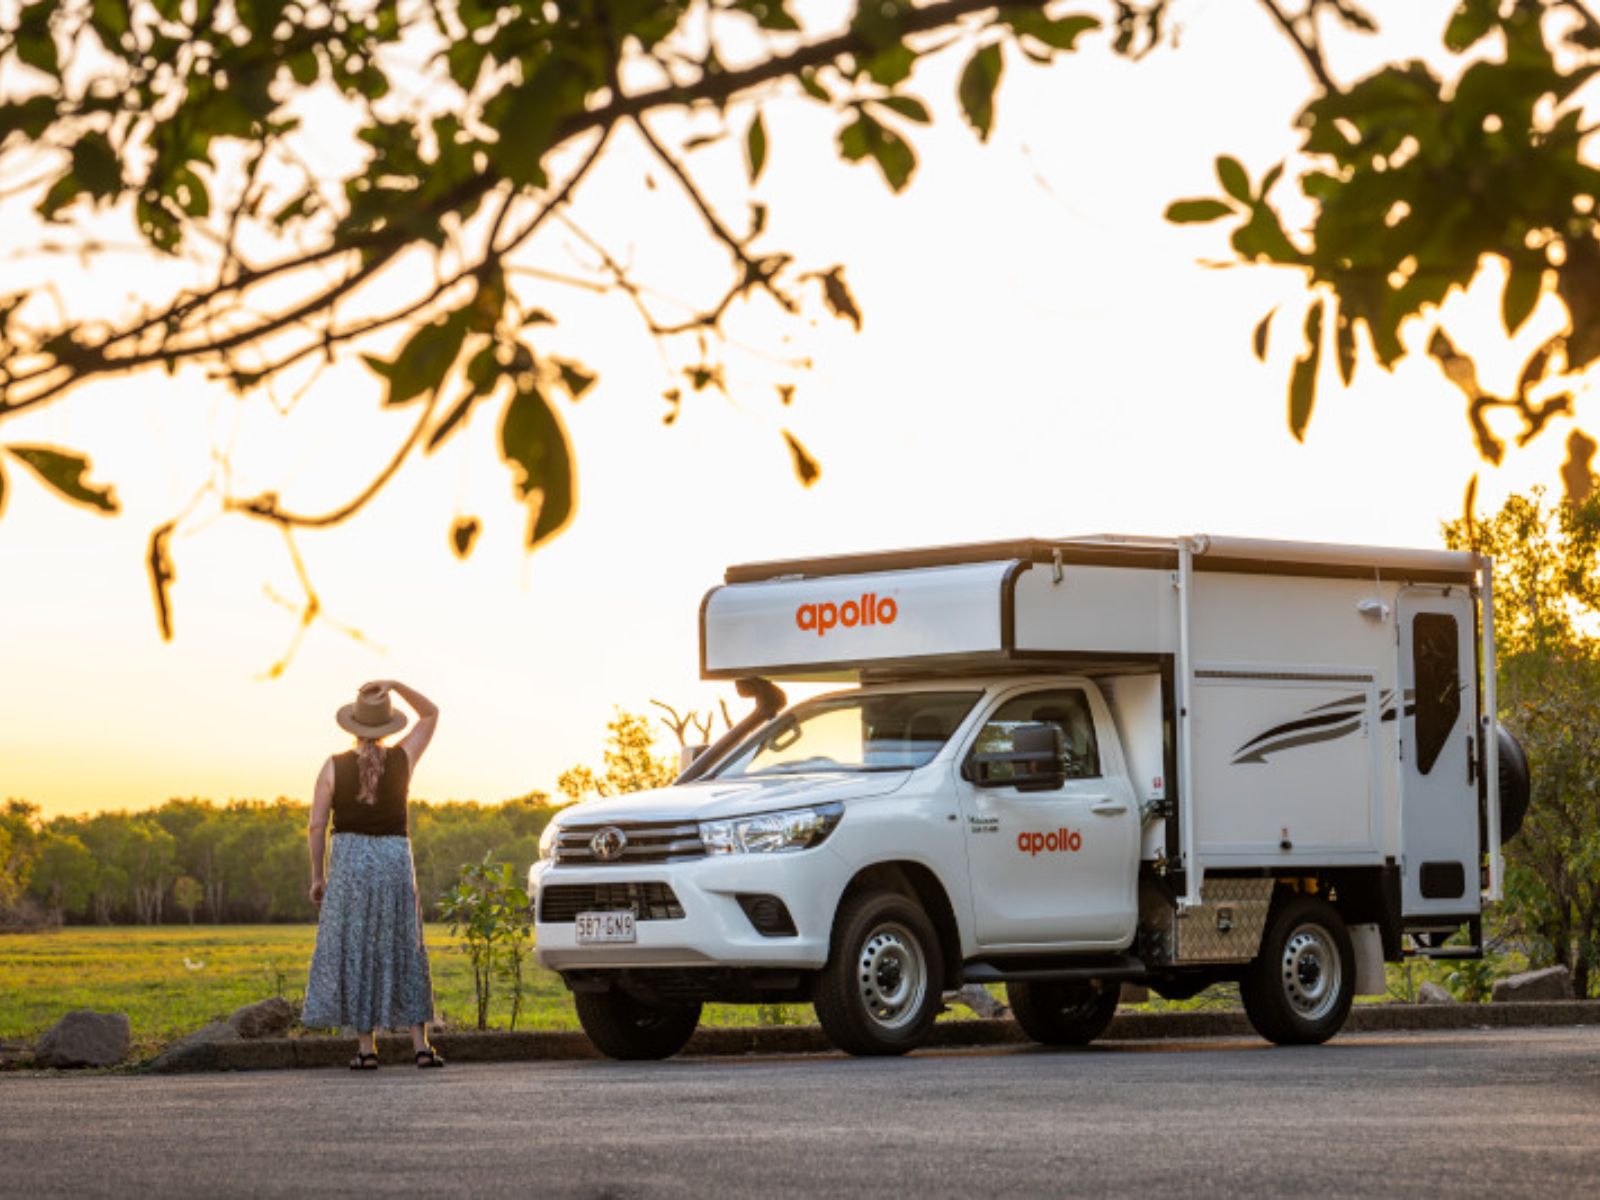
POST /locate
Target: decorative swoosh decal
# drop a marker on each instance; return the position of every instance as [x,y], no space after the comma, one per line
[1324,723]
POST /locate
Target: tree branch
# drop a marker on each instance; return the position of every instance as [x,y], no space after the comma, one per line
[86,361]
[1309,48]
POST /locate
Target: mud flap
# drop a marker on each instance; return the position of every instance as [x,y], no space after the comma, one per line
[1367,943]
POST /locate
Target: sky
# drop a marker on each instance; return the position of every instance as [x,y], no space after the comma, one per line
[1041,355]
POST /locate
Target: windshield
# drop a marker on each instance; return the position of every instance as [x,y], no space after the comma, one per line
[886,731]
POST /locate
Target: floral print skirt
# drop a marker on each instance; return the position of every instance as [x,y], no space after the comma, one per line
[370,967]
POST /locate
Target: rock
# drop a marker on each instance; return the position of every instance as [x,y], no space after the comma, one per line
[1432,993]
[84,1039]
[267,1018]
[1134,993]
[1552,983]
[194,1044]
[979,999]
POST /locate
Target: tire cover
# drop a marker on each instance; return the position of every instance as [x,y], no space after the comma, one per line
[1516,789]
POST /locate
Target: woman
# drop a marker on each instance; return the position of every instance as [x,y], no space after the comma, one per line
[370,968]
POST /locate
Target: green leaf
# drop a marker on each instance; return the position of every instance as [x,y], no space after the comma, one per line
[1194,212]
[456,416]
[805,467]
[1303,381]
[529,118]
[424,360]
[892,66]
[1059,33]
[110,19]
[304,68]
[810,85]
[162,577]
[908,107]
[878,23]
[894,156]
[1235,181]
[535,446]
[1521,294]
[463,535]
[1258,339]
[96,165]
[979,78]
[755,148]
[769,14]
[1472,22]
[465,60]
[574,378]
[30,117]
[854,142]
[34,43]
[1344,341]
[1319,185]
[836,294]
[65,471]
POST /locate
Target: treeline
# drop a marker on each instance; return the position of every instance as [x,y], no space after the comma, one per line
[245,861]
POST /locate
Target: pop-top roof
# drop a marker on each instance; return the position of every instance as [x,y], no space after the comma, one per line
[999,605]
[1211,553]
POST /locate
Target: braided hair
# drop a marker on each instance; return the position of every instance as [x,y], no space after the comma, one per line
[370,755]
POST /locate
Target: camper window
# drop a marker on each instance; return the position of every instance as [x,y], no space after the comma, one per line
[886,731]
[1436,661]
[1067,708]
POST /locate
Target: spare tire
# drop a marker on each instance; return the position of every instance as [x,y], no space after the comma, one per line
[1516,788]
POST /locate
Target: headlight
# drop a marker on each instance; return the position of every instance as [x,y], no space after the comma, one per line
[771,833]
[547,842]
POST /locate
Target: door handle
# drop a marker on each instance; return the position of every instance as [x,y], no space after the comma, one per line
[1109,808]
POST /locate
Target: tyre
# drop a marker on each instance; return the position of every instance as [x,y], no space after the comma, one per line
[1064,1013]
[1298,990]
[625,1028]
[883,984]
[1515,789]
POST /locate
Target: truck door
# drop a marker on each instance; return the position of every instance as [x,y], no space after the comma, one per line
[1056,868]
[1437,711]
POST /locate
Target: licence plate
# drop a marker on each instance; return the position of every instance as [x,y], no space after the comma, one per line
[598,927]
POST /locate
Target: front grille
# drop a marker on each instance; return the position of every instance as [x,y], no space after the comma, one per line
[560,903]
[646,842]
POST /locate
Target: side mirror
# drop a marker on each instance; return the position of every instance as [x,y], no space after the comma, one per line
[688,755]
[1036,761]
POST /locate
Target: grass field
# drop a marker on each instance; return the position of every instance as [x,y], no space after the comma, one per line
[173,979]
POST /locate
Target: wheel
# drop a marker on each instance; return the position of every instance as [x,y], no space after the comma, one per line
[1515,789]
[1298,990]
[881,988]
[1064,1013]
[629,1029]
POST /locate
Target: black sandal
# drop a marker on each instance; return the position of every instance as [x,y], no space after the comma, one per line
[364,1062]
[427,1058]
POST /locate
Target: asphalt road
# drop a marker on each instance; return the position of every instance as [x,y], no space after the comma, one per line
[1488,1113]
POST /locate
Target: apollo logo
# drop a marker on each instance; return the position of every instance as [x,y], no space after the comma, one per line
[1057,841]
[868,609]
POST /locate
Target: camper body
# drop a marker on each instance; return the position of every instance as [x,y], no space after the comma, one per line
[1061,765]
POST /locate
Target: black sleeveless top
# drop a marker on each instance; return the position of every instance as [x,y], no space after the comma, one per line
[386,816]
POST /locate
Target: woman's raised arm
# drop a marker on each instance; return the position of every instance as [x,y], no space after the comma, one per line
[415,742]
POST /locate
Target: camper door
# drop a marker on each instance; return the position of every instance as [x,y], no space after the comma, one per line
[1438,782]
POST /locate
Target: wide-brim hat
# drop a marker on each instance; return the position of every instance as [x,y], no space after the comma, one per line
[372,715]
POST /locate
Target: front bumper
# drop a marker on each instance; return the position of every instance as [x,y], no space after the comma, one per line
[714,930]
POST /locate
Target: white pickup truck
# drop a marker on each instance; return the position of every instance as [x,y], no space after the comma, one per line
[1060,765]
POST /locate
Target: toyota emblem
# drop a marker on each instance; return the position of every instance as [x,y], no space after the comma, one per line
[609,844]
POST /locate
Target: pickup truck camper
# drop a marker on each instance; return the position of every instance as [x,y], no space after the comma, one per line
[1060,765]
